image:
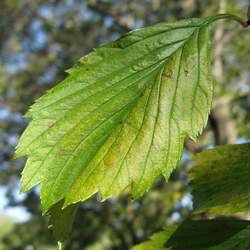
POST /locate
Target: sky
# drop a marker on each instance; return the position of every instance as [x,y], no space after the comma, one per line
[17,214]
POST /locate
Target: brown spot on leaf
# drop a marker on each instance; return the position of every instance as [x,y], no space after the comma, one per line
[167,75]
[186,72]
[50,124]
[60,152]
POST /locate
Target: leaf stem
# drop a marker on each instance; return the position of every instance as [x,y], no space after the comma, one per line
[60,246]
[238,19]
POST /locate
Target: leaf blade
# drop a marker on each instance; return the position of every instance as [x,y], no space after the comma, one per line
[61,220]
[216,177]
[139,97]
[201,235]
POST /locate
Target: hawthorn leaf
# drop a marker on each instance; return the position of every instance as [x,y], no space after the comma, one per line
[220,180]
[213,234]
[121,116]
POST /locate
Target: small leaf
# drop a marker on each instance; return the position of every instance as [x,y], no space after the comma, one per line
[61,220]
[201,235]
[220,180]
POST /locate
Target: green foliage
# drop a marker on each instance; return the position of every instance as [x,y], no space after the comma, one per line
[201,235]
[61,220]
[120,118]
[103,127]
[5,228]
[220,180]
[220,185]
[31,64]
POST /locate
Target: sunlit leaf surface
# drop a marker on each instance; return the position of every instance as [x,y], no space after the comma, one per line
[220,180]
[201,235]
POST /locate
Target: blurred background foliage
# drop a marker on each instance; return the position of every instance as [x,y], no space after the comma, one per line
[39,40]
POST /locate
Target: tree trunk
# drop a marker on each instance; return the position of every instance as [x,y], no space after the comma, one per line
[221,120]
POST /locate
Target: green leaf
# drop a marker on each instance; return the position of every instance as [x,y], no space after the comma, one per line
[120,118]
[157,240]
[220,180]
[201,235]
[61,220]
